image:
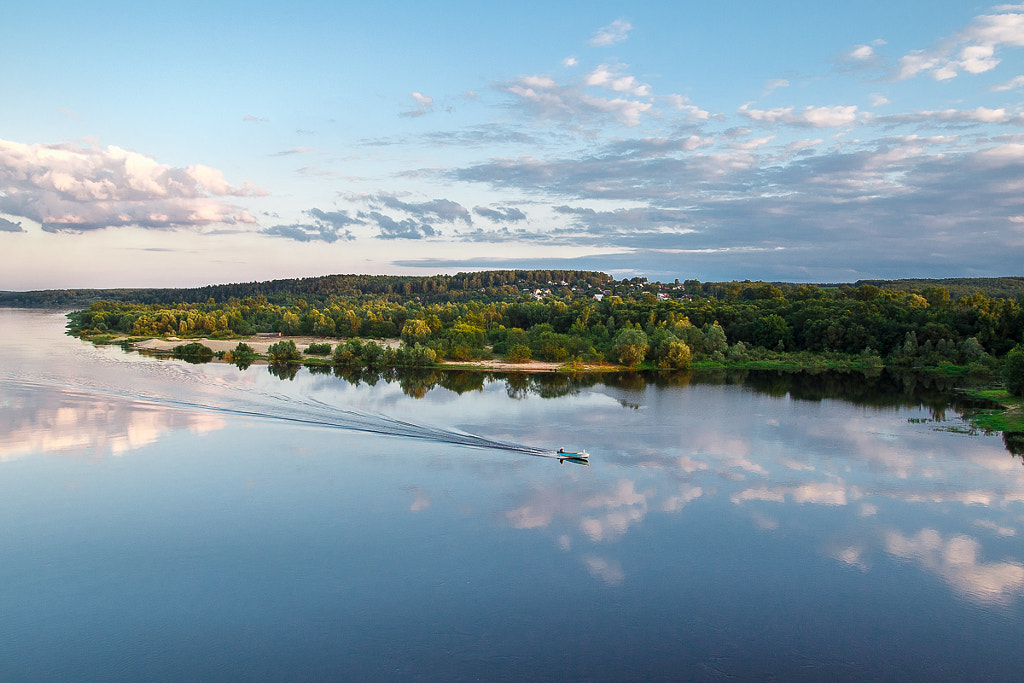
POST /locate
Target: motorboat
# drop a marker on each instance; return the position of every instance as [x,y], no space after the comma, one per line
[572,455]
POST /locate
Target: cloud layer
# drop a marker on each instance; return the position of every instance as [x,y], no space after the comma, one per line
[862,170]
[72,187]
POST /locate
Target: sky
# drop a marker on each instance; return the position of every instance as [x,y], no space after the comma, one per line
[181,144]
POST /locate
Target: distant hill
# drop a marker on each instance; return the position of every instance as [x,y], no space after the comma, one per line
[480,286]
[992,287]
[462,286]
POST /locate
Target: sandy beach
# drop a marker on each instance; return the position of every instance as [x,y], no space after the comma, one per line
[261,344]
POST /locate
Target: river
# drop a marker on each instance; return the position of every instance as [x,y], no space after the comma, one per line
[167,521]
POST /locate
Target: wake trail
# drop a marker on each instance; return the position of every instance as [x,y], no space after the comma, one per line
[310,412]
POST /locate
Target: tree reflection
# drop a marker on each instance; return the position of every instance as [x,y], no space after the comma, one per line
[518,385]
[462,381]
[284,370]
[1014,442]
[416,383]
[886,389]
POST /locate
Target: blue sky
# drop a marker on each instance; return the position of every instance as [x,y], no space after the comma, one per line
[194,143]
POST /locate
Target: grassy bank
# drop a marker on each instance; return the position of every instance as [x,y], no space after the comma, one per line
[1005,414]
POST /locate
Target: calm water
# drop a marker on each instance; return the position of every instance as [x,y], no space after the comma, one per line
[160,520]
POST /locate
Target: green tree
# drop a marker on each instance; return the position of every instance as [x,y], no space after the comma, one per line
[520,353]
[415,331]
[1013,370]
[972,349]
[631,346]
[316,349]
[193,353]
[716,344]
[243,350]
[349,353]
[284,352]
[678,356]
[772,332]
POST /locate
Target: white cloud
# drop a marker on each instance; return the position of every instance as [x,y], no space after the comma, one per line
[1009,85]
[972,49]
[548,98]
[73,187]
[680,103]
[878,100]
[966,116]
[861,53]
[605,76]
[424,105]
[808,117]
[570,61]
[626,111]
[914,63]
[615,32]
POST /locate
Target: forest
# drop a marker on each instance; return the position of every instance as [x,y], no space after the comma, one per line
[577,317]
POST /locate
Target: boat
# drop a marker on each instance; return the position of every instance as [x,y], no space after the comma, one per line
[578,456]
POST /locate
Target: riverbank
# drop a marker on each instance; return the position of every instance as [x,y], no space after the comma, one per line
[260,345]
[1005,415]
[759,360]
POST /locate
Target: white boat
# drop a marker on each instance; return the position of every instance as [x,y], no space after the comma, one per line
[572,455]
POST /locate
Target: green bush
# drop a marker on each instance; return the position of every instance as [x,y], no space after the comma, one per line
[349,353]
[1013,371]
[284,352]
[193,353]
[243,350]
[678,356]
[520,353]
[323,349]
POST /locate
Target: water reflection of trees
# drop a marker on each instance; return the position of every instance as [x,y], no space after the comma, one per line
[887,389]
[1014,442]
[284,370]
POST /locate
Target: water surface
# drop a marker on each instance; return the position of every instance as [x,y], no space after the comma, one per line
[162,520]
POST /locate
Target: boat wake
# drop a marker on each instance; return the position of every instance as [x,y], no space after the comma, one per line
[251,403]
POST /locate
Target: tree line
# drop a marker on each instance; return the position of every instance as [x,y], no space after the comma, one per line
[490,285]
[577,316]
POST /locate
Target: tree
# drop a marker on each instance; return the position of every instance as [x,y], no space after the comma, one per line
[1013,370]
[678,356]
[716,342]
[972,349]
[348,353]
[631,346]
[284,352]
[243,350]
[520,353]
[316,349]
[193,353]
[772,332]
[415,331]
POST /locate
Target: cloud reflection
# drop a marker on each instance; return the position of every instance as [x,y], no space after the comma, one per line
[862,466]
[956,561]
[608,571]
[50,422]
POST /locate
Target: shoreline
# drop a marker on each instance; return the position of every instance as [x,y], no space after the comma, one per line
[260,344]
